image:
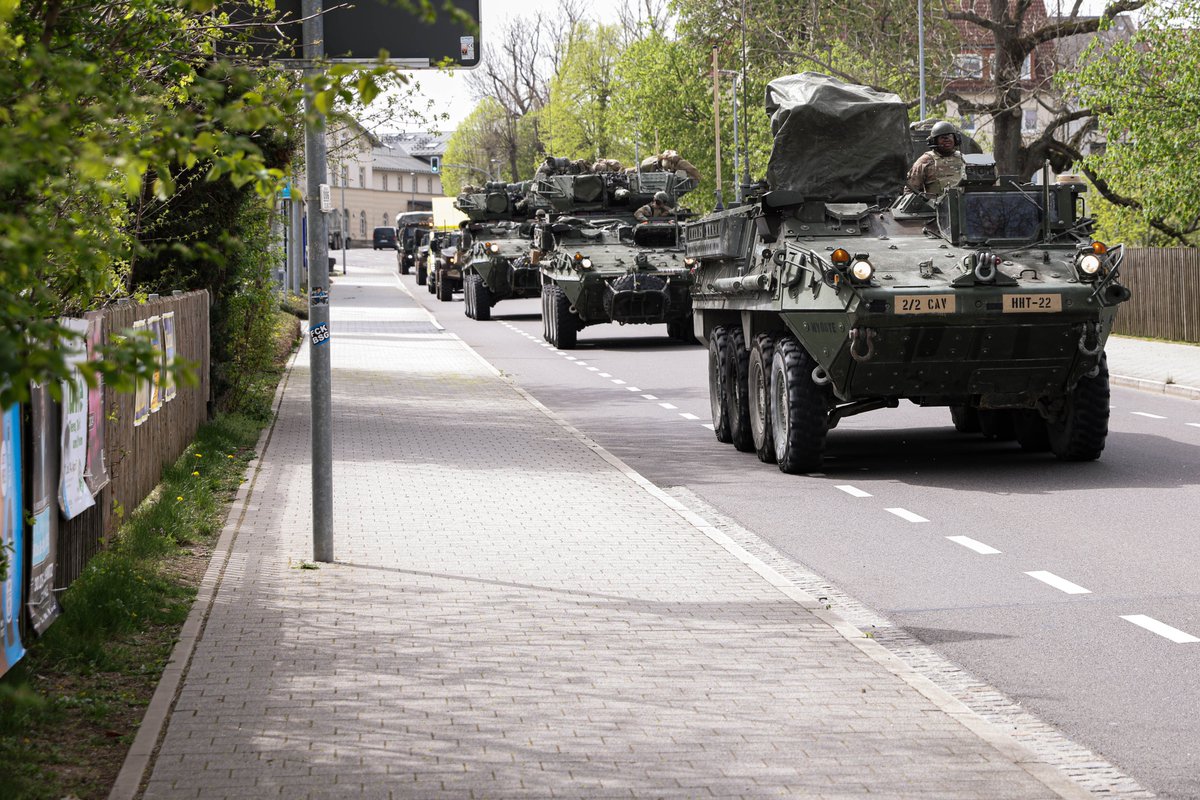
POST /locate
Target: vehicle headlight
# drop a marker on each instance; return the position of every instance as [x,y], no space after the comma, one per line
[493,247]
[689,262]
[862,271]
[449,259]
[585,262]
[1089,264]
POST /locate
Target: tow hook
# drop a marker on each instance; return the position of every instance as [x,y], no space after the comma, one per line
[1091,332]
[862,344]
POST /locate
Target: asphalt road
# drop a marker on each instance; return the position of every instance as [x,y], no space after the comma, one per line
[1048,581]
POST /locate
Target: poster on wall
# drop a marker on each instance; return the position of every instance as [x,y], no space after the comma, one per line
[73,494]
[141,395]
[43,478]
[168,346]
[96,474]
[11,539]
[154,325]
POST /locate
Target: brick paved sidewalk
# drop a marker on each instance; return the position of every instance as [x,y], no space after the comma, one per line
[515,613]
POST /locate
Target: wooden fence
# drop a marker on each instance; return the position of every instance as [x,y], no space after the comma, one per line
[138,454]
[1165,282]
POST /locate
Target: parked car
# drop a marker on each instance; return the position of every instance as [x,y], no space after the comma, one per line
[384,238]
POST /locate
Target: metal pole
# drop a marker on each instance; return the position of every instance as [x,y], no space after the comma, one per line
[343,225]
[717,127]
[318,295]
[921,52]
[745,105]
[296,253]
[737,164]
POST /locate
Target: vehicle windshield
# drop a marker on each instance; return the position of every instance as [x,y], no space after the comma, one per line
[1001,215]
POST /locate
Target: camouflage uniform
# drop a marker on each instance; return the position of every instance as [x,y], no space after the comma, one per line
[933,172]
[653,211]
[608,165]
[668,161]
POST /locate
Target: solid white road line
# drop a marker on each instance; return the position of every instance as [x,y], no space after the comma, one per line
[971,544]
[853,492]
[1062,584]
[1162,629]
[905,514]
[1144,414]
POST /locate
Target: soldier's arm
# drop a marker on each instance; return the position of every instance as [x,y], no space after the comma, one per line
[918,177]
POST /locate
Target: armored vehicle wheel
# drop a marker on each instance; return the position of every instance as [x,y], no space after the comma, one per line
[422,275]
[562,321]
[758,396]
[718,343]
[735,390]
[997,424]
[468,299]
[482,304]
[431,282]
[546,312]
[965,419]
[1079,433]
[445,290]
[799,412]
[1031,431]
[404,265]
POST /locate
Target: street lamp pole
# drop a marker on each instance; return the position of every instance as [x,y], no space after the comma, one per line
[343,224]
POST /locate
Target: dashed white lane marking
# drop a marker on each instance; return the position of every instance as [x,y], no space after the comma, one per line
[668,406]
[1161,628]
[1145,414]
[971,544]
[605,375]
[853,492]
[580,363]
[649,397]
[905,514]
[593,369]
[570,358]
[710,426]
[633,388]
[1062,584]
[1194,424]
[618,381]
[686,415]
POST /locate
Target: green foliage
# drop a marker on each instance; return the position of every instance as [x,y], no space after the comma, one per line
[578,120]
[1147,88]
[481,143]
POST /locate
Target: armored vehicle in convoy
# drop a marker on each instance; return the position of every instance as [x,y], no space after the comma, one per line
[446,255]
[820,299]
[599,265]
[409,225]
[497,259]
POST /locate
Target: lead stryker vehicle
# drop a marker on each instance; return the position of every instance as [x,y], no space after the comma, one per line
[598,266]
[818,301]
[498,264]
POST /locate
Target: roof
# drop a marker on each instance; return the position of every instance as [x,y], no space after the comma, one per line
[396,159]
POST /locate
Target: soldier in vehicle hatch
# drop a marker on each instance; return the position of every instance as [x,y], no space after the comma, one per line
[940,166]
[658,208]
[667,161]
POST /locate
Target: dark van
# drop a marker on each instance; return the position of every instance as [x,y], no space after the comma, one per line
[384,238]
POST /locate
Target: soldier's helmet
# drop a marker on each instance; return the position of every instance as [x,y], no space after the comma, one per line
[662,197]
[941,129]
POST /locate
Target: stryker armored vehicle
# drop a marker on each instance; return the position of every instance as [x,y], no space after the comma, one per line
[598,266]
[497,261]
[611,271]
[820,299]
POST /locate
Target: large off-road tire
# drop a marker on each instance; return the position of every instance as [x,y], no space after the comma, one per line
[1079,433]
[758,396]
[404,265]
[965,419]
[1031,431]
[736,395]
[483,300]
[718,343]
[799,409]
[564,328]
[546,313]
[445,289]
[422,275]
[468,296]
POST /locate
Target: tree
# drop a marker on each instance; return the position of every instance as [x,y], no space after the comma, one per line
[1146,93]
[483,142]
[577,120]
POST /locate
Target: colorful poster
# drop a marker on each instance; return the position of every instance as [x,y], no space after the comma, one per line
[168,340]
[154,325]
[43,446]
[141,395]
[11,538]
[73,494]
[96,474]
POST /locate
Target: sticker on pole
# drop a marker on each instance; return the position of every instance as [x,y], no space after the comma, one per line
[319,297]
[466,48]
[319,333]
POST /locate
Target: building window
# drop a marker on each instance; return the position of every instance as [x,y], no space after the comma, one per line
[1027,67]
[429,185]
[362,177]
[968,123]
[362,224]
[1029,120]
[385,182]
[967,65]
